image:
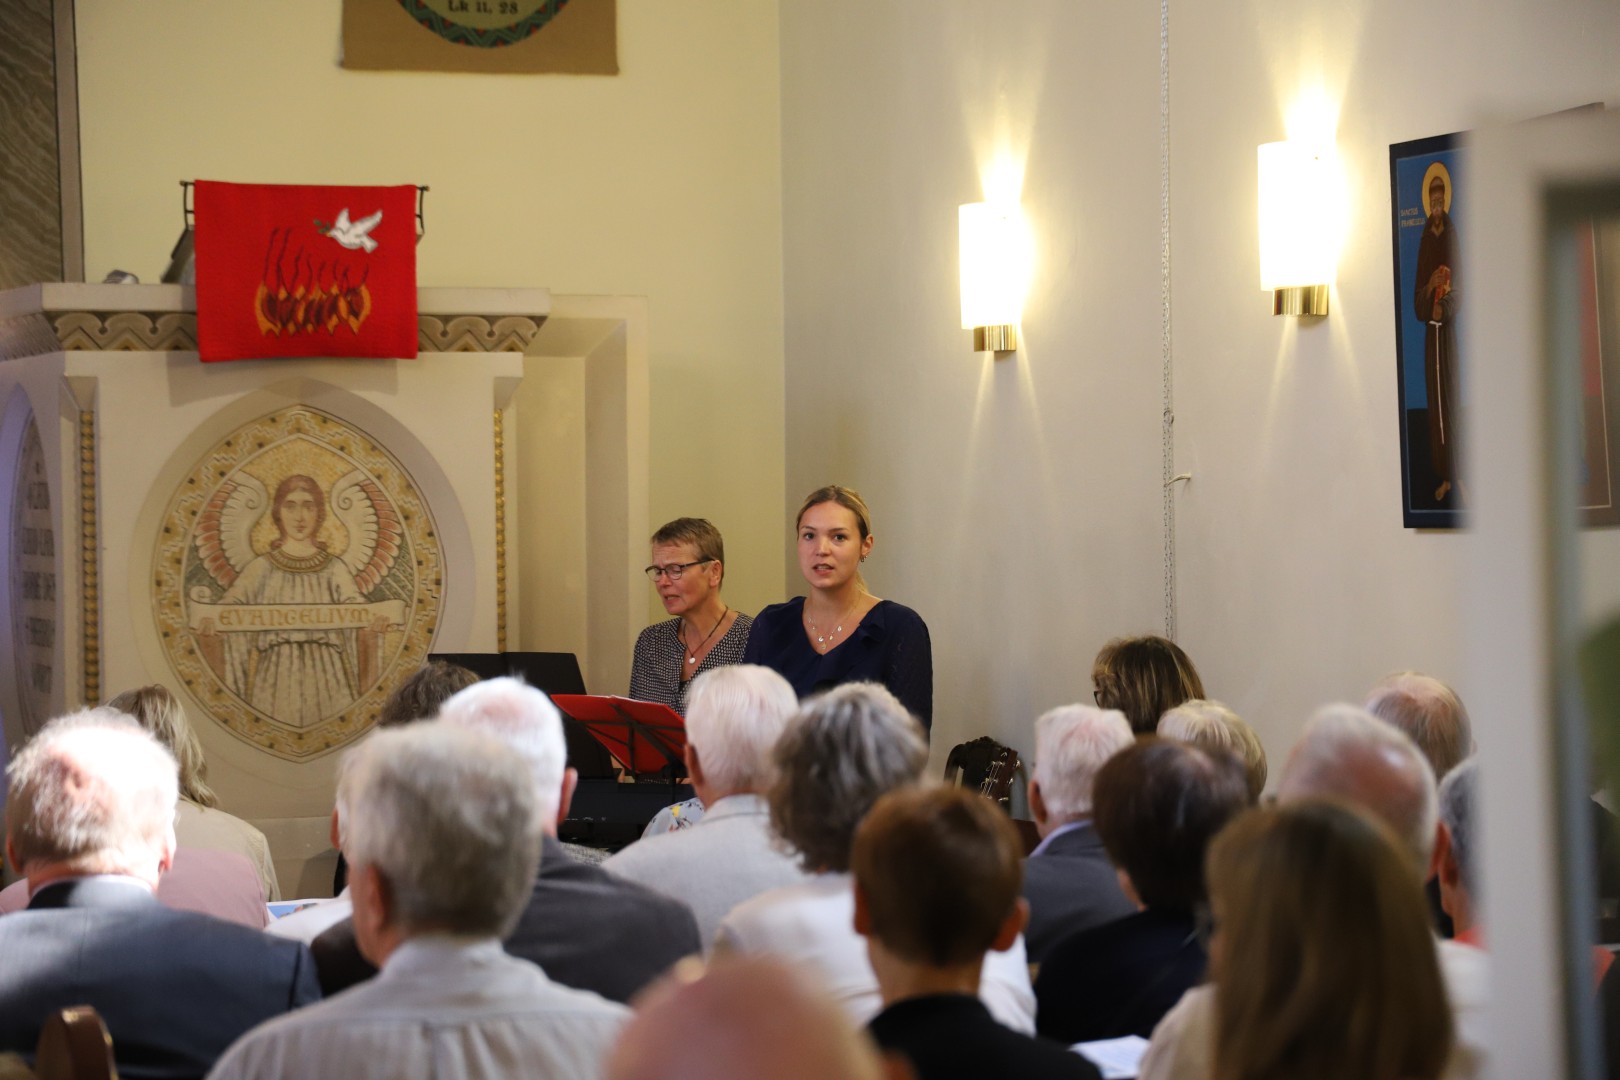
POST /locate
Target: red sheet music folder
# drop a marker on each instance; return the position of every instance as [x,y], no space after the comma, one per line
[646,736]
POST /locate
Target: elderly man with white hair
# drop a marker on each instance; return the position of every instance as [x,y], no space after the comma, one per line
[442,831]
[585,927]
[1068,879]
[734,715]
[1431,714]
[90,821]
[1349,755]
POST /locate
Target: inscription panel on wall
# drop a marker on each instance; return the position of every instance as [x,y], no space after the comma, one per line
[297,578]
[33,583]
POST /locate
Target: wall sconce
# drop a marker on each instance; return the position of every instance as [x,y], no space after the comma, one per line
[995,260]
[1300,211]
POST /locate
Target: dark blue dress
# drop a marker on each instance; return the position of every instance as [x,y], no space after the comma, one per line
[890,646]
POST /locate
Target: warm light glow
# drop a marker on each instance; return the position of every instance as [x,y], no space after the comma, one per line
[1301,214]
[995,259]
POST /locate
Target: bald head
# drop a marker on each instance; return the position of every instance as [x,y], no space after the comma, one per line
[745,1017]
[1349,754]
[92,794]
[1430,713]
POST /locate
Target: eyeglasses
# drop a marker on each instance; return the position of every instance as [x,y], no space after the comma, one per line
[673,571]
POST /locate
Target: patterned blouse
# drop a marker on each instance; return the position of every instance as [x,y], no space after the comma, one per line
[655,672]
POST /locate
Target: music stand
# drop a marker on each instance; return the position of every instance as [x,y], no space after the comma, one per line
[650,739]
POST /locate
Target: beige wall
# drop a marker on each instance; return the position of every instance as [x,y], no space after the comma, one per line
[662,182]
[1018,502]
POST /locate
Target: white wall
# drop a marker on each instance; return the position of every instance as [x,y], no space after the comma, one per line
[663,181]
[1015,502]
[1298,583]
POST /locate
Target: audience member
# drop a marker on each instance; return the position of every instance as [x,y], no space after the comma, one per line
[218,883]
[423,692]
[90,822]
[1321,960]
[1068,880]
[1158,805]
[1143,677]
[1430,713]
[418,697]
[443,828]
[1455,860]
[936,888]
[846,748]
[585,927]
[1213,726]
[200,823]
[745,1018]
[1349,754]
[734,715]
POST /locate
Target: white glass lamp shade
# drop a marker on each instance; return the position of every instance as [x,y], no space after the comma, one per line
[1299,215]
[995,263]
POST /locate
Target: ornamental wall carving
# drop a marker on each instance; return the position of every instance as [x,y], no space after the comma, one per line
[296,579]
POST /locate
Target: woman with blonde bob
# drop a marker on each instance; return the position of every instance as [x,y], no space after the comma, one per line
[1213,726]
[1323,962]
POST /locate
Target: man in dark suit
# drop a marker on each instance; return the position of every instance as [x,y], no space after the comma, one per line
[585,927]
[1068,880]
[90,823]
[936,888]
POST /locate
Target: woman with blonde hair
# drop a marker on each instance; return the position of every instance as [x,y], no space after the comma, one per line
[1143,677]
[1213,726]
[1322,959]
[199,823]
[840,633]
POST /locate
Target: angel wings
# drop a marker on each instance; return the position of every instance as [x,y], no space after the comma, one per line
[224,534]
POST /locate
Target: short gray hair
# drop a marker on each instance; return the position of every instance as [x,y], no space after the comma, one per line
[734,715]
[1348,753]
[1071,743]
[95,793]
[526,721]
[1431,714]
[1213,726]
[1458,797]
[846,748]
[449,818]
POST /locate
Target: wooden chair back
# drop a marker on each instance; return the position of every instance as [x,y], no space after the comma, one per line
[74,1045]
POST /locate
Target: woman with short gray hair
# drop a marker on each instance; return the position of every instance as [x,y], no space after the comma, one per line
[846,749]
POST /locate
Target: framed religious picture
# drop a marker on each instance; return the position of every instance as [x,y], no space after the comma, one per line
[1424,179]
[1427,179]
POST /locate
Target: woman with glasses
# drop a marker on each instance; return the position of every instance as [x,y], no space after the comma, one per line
[688,565]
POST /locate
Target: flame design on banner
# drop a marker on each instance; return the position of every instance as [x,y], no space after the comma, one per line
[303,294]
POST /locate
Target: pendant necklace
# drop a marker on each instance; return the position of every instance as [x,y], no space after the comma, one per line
[691,654]
[839,629]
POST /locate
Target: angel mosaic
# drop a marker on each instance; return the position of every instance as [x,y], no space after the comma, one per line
[296,630]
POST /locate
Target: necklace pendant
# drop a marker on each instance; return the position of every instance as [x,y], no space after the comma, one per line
[691,659]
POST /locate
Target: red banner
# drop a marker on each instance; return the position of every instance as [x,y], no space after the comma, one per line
[290,270]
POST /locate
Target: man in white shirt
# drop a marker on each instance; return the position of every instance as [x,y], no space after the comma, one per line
[734,715]
[442,831]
